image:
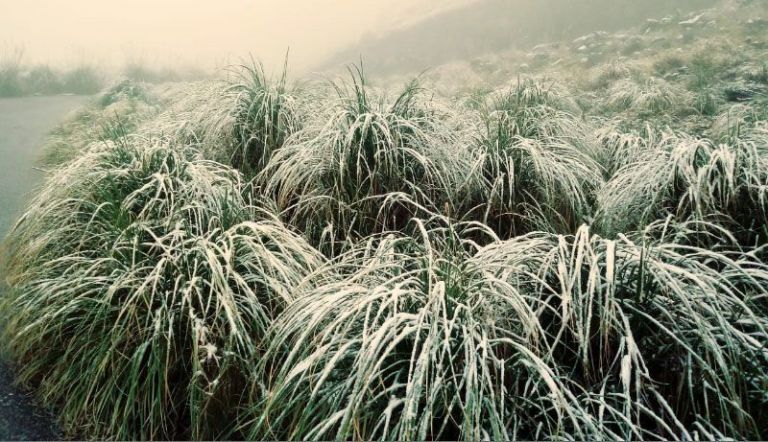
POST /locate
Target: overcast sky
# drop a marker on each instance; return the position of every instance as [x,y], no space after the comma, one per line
[199,31]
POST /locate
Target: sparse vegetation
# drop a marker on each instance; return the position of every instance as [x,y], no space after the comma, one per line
[579,253]
[19,79]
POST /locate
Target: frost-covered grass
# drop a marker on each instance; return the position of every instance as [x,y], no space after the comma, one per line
[348,170]
[691,178]
[538,162]
[116,112]
[563,257]
[649,96]
[542,336]
[144,279]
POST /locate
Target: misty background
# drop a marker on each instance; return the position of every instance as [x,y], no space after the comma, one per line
[203,33]
[390,35]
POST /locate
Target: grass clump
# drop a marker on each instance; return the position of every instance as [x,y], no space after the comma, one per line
[418,341]
[240,122]
[143,281]
[648,332]
[538,163]
[346,171]
[690,177]
[540,337]
[265,113]
[653,96]
[123,90]
[607,74]
[196,115]
[760,75]
[706,103]
[120,110]
[618,145]
[669,64]
[266,259]
[737,120]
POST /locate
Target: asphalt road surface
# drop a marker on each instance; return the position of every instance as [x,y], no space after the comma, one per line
[24,124]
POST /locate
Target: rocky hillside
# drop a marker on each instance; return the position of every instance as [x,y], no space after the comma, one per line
[490,26]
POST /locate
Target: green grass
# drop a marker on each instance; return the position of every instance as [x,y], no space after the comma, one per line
[570,255]
[143,279]
[18,78]
[542,336]
[342,173]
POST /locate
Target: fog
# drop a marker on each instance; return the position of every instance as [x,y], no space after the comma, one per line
[203,33]
[491,26]
[388,34]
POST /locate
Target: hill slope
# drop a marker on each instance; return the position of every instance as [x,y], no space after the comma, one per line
[489,26]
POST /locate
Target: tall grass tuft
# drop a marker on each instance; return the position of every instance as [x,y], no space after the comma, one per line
[240,122]
[121,109]
[200,115]
[143,282]
[538,162]
[691,178]
[411,339]
[266,259]
[352,168]
[540,337]
[656,338]
[652,96]
[619,146]
[265,113]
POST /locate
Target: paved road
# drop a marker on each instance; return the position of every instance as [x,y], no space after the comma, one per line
[24,123]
